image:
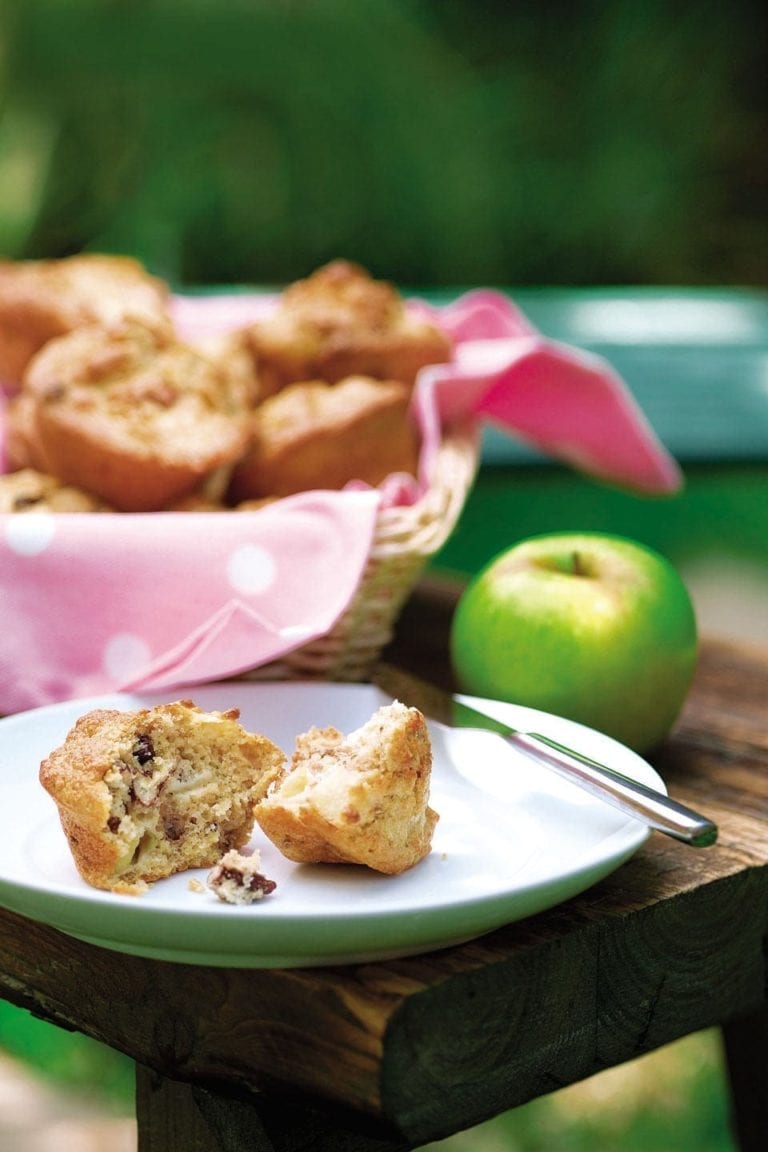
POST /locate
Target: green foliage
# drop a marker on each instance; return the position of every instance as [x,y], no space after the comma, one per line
[444,143]
[67,1058]
[531,500]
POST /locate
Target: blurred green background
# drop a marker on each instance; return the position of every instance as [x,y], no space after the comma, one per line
[615,149]
[441,142]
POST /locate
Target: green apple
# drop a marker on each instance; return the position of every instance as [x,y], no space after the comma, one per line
[590,626]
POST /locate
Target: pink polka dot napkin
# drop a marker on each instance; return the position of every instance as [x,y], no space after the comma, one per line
[91,603]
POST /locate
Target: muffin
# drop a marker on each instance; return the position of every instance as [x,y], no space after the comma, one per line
[43,299]
[134,415]
[318,435]
[341,322]
[359,799]
[30,491]
[142,795]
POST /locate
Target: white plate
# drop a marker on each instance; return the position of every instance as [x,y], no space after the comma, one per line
[512,840]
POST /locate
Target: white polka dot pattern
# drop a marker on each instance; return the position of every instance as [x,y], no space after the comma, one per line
[31,534]
[124,656]
[251,569]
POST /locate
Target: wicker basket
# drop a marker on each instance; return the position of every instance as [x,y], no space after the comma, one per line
[404,540]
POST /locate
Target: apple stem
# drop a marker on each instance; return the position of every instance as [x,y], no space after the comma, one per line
[576,565]
[570,563]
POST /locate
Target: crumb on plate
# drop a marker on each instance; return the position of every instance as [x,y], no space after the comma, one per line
[237,878]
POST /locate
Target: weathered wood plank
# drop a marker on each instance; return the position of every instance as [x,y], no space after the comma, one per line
[572,1003]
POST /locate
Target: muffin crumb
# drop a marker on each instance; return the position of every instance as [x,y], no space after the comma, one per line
[237,878]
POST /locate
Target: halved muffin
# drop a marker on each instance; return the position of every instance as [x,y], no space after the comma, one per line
[356,799]
[145,794]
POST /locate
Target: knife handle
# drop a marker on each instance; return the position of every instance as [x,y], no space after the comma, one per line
[630,796]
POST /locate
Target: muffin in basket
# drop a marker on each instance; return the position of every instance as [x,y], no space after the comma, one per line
[145,794]
[356,799]
[341,322]
[133,415]
[319,435]
[42,299]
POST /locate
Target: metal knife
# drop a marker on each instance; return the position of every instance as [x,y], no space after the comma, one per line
[637,800]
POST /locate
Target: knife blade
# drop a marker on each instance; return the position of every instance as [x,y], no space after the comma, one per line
[630,796]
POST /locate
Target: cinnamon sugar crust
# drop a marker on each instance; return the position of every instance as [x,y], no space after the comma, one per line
[133,415]
[339,322]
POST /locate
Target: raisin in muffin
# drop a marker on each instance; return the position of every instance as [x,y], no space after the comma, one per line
[359,799]
[341,322]
[42,299]
[134,415]
[30,491]
[142,795]
[318,435]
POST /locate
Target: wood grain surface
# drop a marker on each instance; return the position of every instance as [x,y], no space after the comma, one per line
[672,942]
